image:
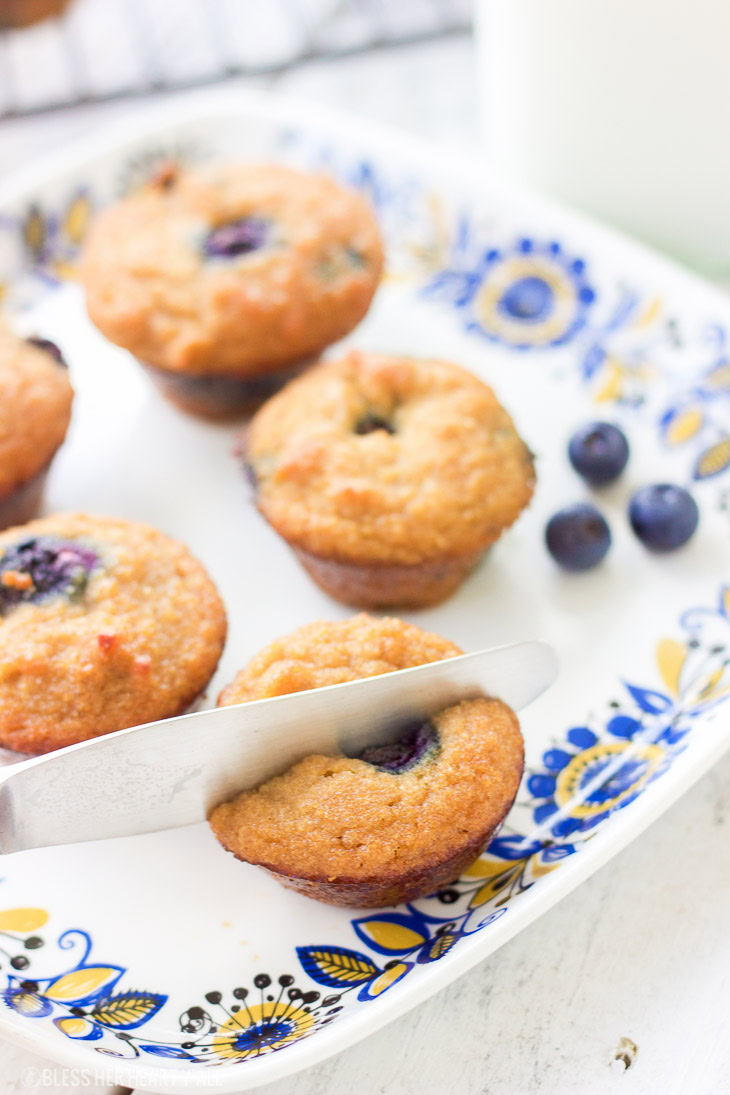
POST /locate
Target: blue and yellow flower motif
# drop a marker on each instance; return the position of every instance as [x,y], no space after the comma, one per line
[82,1000]
[636,357]
[531,295]
[581,788]
[262,1027]
[593,774]
[511,865]
[345,969]
[406,939]
[628,351]
[698,415]
[246,1027]
[589,775]
[84,1004]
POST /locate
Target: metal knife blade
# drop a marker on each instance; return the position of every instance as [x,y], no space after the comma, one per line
[171,773]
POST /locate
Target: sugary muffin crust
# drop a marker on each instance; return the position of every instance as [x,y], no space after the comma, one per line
[361,833]
[35,409]
[103,624]
[388,460]
[324,653]
[232,269]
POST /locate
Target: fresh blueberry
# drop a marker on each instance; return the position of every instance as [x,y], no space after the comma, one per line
[663,516]
[599,452]
[417,744]
[578,537]
[235,238]
[48,347]
[42,567]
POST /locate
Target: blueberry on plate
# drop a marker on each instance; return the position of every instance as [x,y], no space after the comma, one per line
[663,516]
[578,537]
[599,452]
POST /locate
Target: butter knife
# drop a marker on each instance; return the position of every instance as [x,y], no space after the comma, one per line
[171,773]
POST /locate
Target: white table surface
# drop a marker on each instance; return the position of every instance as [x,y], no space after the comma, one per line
[639,956]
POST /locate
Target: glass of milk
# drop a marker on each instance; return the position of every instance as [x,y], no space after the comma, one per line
[621,107]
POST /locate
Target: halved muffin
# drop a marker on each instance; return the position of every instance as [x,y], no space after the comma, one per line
[392,825]
[401,819]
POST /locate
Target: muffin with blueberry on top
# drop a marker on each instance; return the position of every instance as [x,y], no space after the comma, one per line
[225,280]
[389,477]
[401,819]
[35,411]
[104,624]
[394,824]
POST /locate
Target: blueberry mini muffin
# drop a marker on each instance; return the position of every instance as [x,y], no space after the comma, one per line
[104,624]
[324,653]
[35,410]
[400,820]
[225,280]
[388,476]
[392,825]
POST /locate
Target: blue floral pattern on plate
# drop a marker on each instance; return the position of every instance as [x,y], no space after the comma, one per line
[586,777]
[525,293]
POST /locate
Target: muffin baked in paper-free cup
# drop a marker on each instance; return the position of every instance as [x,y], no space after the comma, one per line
[389,477]
[227,280]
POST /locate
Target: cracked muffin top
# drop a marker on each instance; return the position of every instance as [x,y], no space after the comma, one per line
[380,459]
[324,653]
[232,269]
[104,624]
[35,407]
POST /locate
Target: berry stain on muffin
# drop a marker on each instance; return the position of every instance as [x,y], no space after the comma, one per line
[237,238]
[109,614]
[416,745]
[48,347]
[42,567]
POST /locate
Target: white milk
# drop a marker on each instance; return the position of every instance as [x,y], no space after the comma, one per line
[621,107]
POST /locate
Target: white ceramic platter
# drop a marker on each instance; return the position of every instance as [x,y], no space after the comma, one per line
[192,970]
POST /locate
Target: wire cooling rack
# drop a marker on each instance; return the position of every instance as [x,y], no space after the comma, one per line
[103,49]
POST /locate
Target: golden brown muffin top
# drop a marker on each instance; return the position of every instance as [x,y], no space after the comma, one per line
[344,819]
[232,268]
[35,409]
[377,459]
[324,653]
[103,624]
